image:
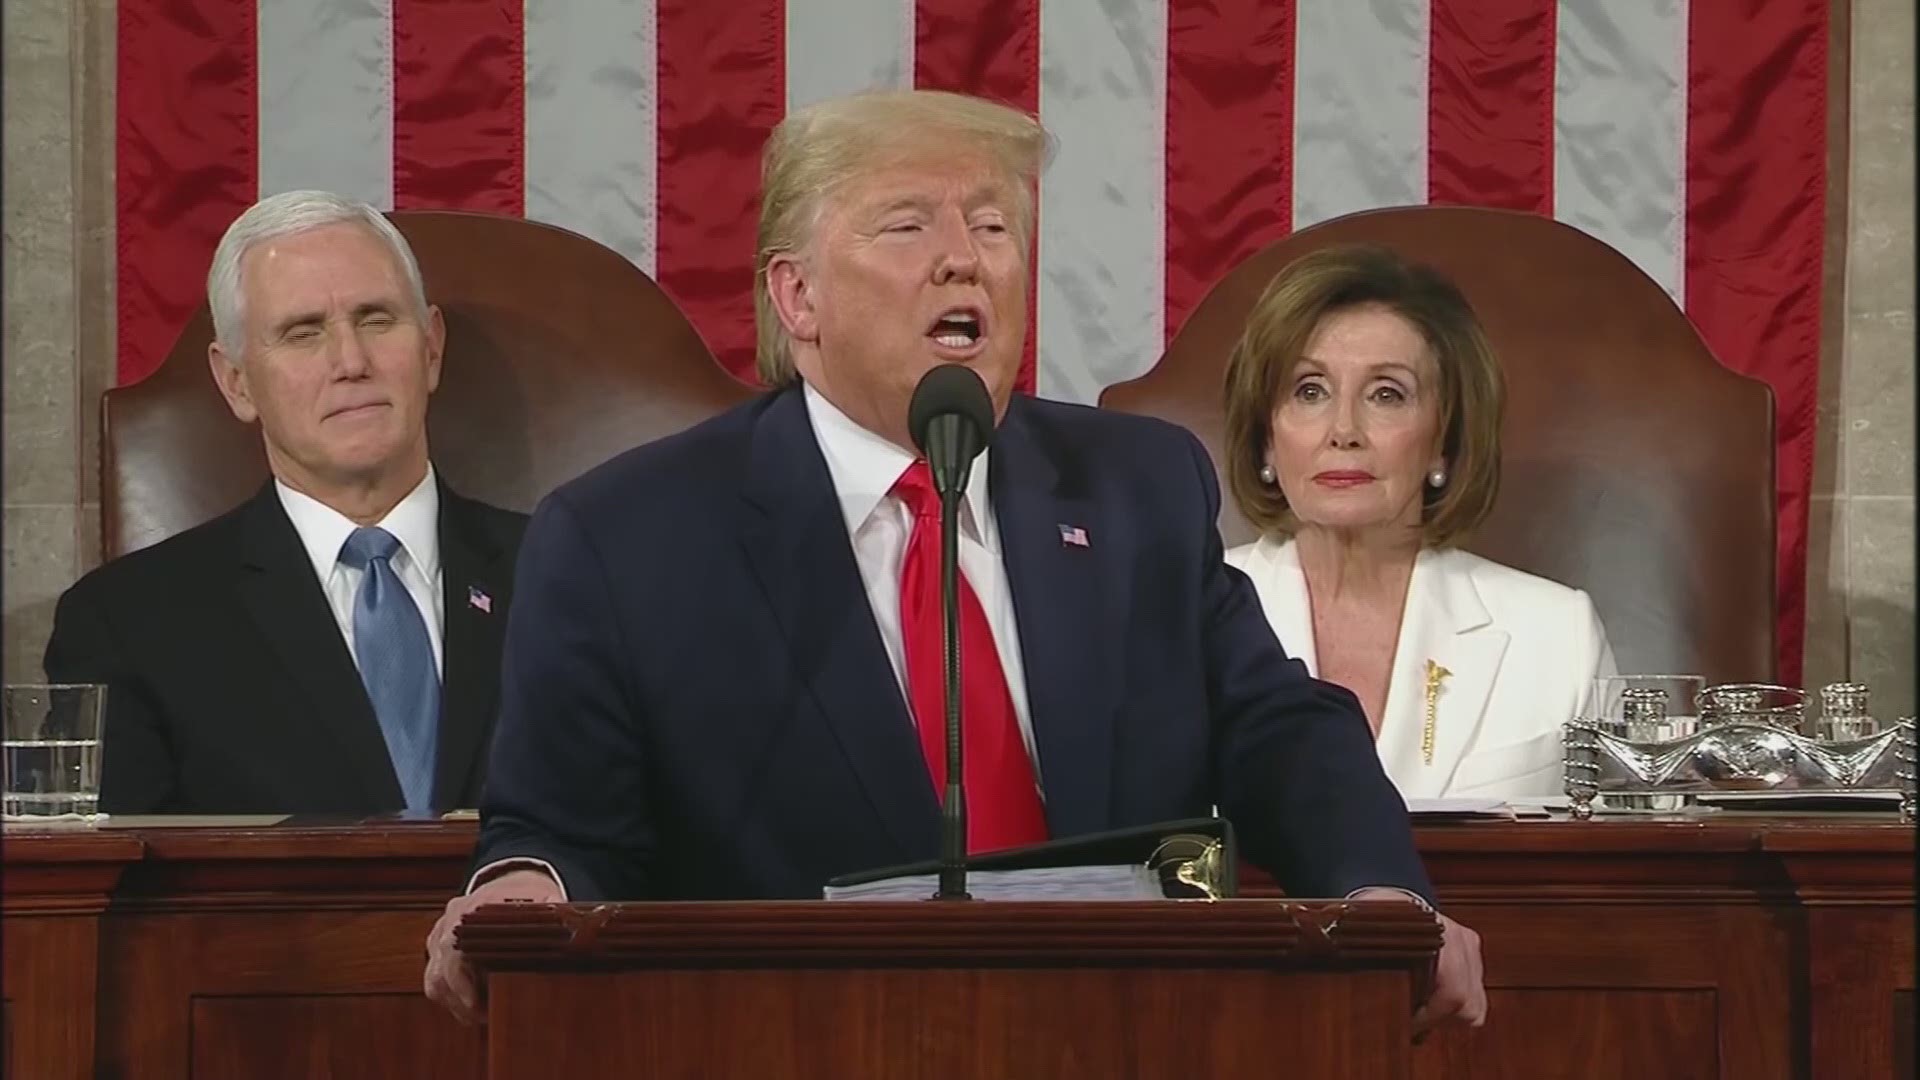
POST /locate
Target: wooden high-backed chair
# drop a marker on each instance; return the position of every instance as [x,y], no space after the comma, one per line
[560,353]
[1634,465]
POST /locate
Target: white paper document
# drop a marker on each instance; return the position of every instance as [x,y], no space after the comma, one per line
[195,821]
[1470,807]
[1040,883]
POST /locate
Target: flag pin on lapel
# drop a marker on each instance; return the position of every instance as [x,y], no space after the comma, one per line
[478,598]
[1073,536]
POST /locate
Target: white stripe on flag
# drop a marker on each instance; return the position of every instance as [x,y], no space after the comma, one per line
[1359,107]
[1103,90]
[591,117]
[837,47]
[1620,130]
[325,92]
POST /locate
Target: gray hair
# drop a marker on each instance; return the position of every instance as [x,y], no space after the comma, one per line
[284,215]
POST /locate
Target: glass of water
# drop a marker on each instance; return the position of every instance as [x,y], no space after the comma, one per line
[52,751]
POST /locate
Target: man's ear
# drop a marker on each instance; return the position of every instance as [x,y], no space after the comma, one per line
[231,378]
[791,289]
[436,345]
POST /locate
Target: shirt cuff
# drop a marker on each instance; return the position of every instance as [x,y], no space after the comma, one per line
[495,869]
[1418,900]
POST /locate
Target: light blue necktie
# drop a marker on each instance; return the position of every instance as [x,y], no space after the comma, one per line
[395,656]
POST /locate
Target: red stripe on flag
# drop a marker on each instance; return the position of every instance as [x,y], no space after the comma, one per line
[1230,73]
[1490,104]
[1756,184]
[722,89]
[459,105]
[185,161]
[990,50]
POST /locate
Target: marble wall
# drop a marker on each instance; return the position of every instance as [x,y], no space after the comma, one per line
[45,493]
[58,336]
[1860,572]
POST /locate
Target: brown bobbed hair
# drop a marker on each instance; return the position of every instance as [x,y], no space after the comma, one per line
[1472,389]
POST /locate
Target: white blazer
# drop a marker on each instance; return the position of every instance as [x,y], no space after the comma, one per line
[1523,652]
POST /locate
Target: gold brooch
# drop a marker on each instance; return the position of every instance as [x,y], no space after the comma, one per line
[1435,675]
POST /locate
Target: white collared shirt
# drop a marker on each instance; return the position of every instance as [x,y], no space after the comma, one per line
[863,467]
[414,521]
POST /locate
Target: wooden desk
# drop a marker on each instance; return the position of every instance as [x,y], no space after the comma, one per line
[1730,946]
[239,954]
[1733,946]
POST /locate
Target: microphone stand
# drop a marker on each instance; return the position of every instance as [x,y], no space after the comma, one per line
[951,447]
[953,809]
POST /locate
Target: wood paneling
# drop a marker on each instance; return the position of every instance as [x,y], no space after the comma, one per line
[1029,990]
[364,1036]
[49,965]
[367,963]
[1903,1063]
[1581,1034]
[1734,946]
[1594,959]
[1860,960]
[961,1024]
[1236,933]
[55,886]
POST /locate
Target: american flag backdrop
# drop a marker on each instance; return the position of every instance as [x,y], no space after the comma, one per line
[1689,134]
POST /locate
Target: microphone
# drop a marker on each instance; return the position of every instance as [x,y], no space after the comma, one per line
[951,419]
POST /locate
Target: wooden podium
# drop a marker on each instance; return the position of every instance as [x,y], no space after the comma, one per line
[938,990]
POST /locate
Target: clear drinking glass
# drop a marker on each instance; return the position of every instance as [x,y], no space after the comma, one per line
[51,737]
[1614,698]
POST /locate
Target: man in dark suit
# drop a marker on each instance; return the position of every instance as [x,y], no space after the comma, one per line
[333,644]
[717,682]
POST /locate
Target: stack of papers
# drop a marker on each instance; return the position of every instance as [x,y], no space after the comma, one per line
[1499,809]
[1041,883]
[195,821]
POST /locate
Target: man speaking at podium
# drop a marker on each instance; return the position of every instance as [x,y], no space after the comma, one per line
[722,674]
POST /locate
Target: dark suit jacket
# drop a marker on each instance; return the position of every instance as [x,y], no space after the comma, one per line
[231,689]
[696,702]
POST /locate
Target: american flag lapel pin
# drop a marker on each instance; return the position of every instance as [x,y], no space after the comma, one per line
[1073,536]
[478,599]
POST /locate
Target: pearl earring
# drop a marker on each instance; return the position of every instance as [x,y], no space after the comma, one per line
[1266,475]
[1437,478]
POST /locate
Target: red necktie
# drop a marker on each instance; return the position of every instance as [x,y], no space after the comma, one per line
[1003,806]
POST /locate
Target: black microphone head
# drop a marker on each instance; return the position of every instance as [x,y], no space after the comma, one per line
[950,389]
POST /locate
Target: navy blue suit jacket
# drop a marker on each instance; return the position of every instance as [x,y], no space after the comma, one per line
[696,702]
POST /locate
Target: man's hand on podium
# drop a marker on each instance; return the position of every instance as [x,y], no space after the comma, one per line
[450,980]
[1459,984]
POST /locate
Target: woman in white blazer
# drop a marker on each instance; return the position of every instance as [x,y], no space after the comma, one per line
[1363,423]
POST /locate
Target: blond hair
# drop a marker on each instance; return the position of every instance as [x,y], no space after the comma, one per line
[1472,388]
[816,150]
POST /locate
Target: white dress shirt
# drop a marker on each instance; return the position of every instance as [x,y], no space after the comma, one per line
[863,467]
[414,521]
